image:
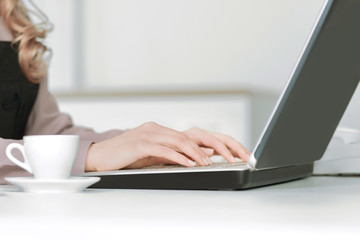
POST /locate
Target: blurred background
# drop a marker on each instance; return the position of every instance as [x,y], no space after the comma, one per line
[216,64]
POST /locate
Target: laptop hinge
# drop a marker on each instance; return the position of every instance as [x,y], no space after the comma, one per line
[252,161]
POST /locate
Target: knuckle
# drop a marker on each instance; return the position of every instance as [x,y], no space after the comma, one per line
[148,125]
[183,136]
[180,140]
[194,129]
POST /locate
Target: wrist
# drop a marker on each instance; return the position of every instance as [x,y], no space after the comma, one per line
[90,161]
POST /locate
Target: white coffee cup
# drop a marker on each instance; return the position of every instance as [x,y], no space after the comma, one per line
[46,156]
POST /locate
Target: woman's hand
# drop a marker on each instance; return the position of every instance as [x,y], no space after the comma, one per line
[224,145]
[151,144]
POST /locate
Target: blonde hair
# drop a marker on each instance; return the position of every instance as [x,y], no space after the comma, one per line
[27,38]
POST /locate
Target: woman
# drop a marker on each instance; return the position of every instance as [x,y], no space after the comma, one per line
[27,108]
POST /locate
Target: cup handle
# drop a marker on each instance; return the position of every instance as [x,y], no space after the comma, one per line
[25,165]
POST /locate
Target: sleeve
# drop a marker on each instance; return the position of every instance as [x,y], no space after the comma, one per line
[45,118]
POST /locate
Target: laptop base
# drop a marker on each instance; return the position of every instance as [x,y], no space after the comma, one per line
[216,180]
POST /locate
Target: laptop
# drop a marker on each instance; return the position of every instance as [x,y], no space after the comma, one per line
[300,127]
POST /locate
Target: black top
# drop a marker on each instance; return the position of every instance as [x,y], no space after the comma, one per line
[17,94]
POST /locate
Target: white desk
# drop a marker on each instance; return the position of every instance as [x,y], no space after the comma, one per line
[305,209]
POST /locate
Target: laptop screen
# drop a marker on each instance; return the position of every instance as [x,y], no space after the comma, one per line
[318,92]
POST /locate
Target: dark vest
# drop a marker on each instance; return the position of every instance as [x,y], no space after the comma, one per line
[17,94]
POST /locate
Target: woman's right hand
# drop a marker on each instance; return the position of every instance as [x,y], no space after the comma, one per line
[150,144]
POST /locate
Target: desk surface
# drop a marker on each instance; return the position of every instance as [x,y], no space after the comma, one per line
[316,205]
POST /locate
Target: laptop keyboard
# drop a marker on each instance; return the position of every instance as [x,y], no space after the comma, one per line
[216,165]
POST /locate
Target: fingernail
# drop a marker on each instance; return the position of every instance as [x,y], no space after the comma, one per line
[232,159]
[205,161]
[192,163]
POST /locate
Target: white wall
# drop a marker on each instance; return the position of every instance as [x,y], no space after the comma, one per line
[156,44]
[170,42]
[60,41]
[137,43]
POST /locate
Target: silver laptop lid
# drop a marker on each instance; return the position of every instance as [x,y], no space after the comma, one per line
[317,93]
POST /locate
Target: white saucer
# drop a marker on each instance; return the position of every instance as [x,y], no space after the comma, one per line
[72,185]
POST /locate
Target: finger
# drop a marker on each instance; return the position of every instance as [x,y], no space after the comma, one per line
[208,151]
[182,145]
[204,138]
[156,129]
[203,153]
[170,154]
[234,146]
